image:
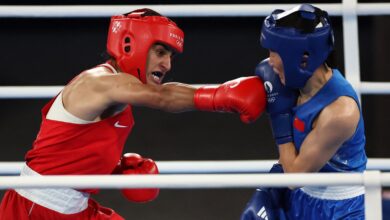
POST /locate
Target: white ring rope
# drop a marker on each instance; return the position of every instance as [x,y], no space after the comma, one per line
[201,167]
[198,10]
[371,88]
[33,92]
[189,181]
[12,92]
[372,180]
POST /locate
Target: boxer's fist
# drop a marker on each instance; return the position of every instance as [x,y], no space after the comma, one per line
[268,201]
[132,163]
[280,101]
[245,95]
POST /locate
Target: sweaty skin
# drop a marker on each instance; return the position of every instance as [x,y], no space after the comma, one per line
[97,93]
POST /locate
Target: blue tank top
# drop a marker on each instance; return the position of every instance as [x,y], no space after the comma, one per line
[351,156]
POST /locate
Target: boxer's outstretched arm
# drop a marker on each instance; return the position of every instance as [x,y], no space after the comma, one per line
[170,97]
[110,89]
[245,95]
[94,92]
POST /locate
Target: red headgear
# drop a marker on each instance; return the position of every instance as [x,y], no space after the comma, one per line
[131,36]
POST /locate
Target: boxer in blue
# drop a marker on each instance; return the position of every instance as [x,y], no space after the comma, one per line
[315,117]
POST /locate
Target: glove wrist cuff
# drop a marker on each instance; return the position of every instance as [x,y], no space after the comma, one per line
[118,169]
[204,98]
[282,127]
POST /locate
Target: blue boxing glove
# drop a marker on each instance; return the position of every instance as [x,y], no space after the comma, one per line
[268,203]
[280,100]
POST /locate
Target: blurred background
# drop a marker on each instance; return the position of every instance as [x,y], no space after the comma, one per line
[51,51]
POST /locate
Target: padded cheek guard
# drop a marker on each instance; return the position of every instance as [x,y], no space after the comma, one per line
[131,36]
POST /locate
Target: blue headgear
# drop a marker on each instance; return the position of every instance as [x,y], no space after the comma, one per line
[303,30]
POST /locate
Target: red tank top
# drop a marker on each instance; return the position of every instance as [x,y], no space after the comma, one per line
[63,148]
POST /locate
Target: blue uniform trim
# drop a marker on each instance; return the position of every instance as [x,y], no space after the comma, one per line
[307,207]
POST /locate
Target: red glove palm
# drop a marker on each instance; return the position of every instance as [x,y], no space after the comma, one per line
[245,95]
[133,163]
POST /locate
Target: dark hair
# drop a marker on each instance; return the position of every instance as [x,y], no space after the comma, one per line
[299,21]
[331,61]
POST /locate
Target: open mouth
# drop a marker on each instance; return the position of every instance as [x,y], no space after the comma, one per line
[157,76]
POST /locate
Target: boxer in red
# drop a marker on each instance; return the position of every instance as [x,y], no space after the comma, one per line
[84,128]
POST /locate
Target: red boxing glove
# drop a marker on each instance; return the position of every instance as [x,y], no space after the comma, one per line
[133,163]
[244,95]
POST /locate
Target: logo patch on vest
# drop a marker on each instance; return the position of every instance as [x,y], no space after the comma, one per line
[299,124]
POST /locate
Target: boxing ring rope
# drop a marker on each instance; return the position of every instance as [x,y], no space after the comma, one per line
[192,181]
[196,10]
[201,167]
[371,180]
